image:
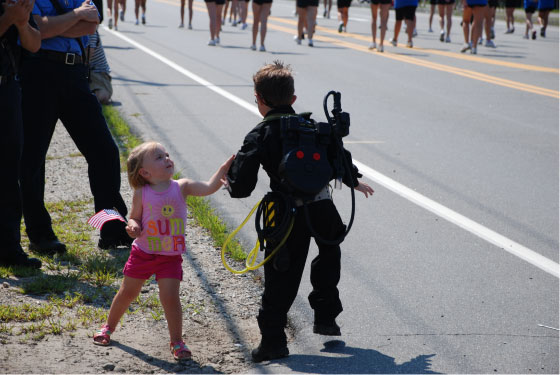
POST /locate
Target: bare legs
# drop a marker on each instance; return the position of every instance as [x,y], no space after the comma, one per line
[383,16]
[260,18]
[472,36]
[510,21]
[445,14]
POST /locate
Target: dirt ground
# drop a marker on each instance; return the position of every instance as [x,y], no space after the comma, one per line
[219,326]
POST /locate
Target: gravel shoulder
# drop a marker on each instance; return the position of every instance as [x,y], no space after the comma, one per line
[219,324]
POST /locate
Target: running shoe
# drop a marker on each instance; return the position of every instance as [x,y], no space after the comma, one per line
[430,30]
[490,44]
[448,39]
[466,47]
[409,44]
[262,49]
[414,33]
[340,27]
[122,15]
[137,22]
[543,32]
[510,31]
[310,42]
[110,23]
[181,25]
[297,40]
[253,47]
[394,42]
[116,28]
[217,40]
[325,14]
[442,36]
[526,36]
[244,26]
[372,46]
[190,26]
[534,35]
[473,51]
[143,19]
[211,42]
[380,49]
[234,24]
[492,34]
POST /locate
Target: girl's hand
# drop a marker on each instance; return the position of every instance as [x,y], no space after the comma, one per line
[133,229]
[364,188]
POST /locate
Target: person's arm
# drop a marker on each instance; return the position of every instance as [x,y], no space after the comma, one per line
[243,174]
[203,188]
[134,225]
[78,22]
[17,14]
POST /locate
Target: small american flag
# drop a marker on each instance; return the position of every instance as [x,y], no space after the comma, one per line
[104,216]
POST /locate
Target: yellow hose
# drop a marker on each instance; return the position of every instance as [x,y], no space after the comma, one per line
[252,256]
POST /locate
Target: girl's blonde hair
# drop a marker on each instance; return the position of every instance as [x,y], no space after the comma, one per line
[135,162]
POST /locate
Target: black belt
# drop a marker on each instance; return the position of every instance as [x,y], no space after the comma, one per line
[62,57]
[7,79]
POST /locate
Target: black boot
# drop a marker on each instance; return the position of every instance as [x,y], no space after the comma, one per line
[267,353]
[17,257]
[113,234]
[47,246]
[326,329]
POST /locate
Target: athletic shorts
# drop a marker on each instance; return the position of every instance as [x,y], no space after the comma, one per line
[546,9]
[218,2]
[446,2]
[493,3]
[261,2]
[477,5]
[511,3]
[530,10]
[141,265]
[434,2]
[381,1]
[343,3]
[307,3]
[406,13]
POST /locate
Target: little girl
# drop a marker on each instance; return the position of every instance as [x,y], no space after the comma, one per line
[157,222]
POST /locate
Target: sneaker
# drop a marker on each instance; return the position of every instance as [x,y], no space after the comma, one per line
[47,246]
[414,33]
[534,35]
[394,42]
[441,36]
[331,329]
[447,39]
[310,42]
[190,26]
[489,44]
[19,258]
[110,23]
[325,14]
[340,27]
[266,354]
[466,47]
[181,25]
[234,24]
[253,47]
[543,32]
[430,30]
[143,19]
[211,42]
[121,14]
[409,44]
[137,23]
[372,46]
[473,51]
[297,40]
[262,49]
[244,26]
[526,36]
[116,28]
[510,31]
[492,34]
[380,49]
[217,40]
[480,41]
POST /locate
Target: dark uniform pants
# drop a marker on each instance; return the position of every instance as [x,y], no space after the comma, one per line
[280,288]
[52,91]
[11,143]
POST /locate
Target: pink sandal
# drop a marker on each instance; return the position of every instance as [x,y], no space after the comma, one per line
[103,336]
[180,351]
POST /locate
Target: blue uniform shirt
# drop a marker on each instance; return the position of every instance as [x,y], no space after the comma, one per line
[405,3]
[59,43]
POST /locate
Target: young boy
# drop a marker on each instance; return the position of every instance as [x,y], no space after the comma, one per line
[274,93]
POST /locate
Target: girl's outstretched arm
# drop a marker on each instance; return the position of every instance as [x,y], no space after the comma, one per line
[134,225]
[203,188]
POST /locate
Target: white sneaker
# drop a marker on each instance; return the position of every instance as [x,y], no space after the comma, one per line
[137,22]
[211,42]
[244,26]
[447,39]
[394,42]
[372,46]
[466,47]
[442,36]
[380,49]
[310,42]
[262,49]
[490,44]
[414,33]
[297,40]
[110,23]
[473,51]
[234,24]
[181,25]
[253,47]
[409,44]
[217,40]
[430,30]
[190,26]
[121,14]
[525,36]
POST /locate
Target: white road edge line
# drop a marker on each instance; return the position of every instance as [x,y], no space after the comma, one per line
[489,235]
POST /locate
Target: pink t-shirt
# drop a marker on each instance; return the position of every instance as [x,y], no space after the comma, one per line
[164,217]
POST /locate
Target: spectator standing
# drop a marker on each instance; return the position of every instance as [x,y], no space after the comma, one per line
[15,23]
[55,86]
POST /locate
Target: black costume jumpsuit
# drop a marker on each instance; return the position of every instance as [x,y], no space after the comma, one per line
[262,146]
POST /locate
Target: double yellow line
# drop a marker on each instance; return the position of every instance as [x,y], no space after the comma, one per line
[343,42]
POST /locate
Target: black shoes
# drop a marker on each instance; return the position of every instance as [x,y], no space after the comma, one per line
[331,329]
[19,258]
[266,354]
[47,246]
[113,234]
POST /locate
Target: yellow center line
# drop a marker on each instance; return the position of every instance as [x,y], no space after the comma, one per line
[407,59]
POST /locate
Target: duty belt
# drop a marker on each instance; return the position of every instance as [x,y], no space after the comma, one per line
[325,193]
[62,57]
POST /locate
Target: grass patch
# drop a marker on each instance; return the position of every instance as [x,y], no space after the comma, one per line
[120,130]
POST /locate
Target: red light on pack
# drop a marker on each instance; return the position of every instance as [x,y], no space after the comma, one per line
[317,156]
[299,154]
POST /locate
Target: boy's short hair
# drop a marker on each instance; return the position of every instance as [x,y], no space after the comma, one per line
[135,161]
[274,83]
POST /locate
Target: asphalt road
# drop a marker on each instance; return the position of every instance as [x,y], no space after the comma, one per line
[452,265]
